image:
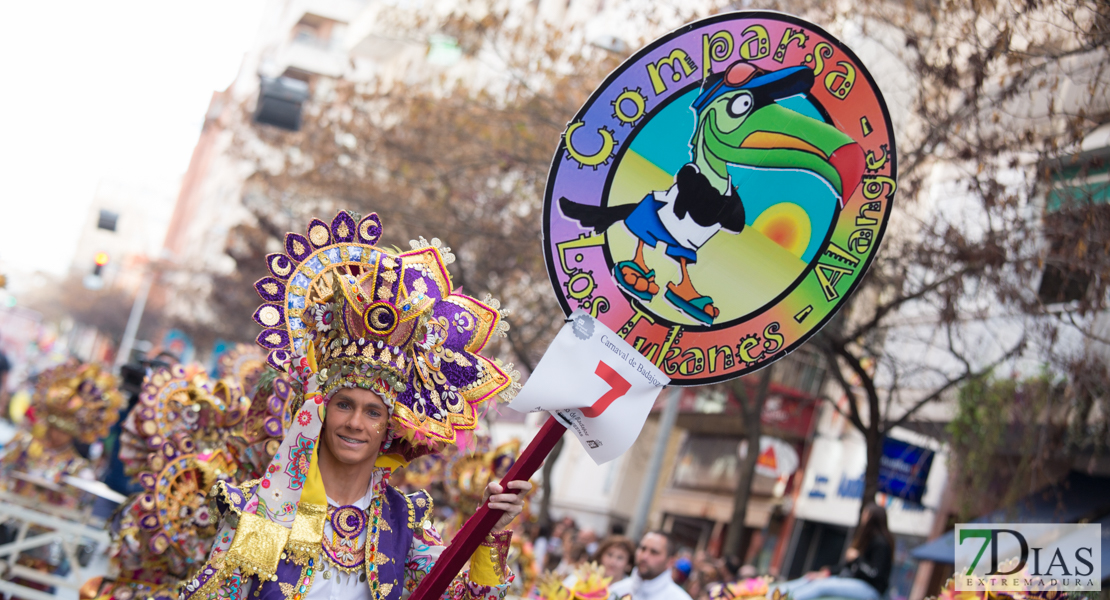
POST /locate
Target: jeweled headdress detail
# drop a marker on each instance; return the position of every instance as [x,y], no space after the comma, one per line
[81,400]
[181,412]
[257,439]
[351,314]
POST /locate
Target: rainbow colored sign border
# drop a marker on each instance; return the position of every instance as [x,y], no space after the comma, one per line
[722,193]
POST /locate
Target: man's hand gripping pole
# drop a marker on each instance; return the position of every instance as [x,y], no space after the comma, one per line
[477,527]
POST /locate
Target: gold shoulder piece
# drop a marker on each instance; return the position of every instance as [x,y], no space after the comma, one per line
[257,546]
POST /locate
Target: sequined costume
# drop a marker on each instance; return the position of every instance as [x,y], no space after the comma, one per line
[186,434]
[342,312]
[80,403]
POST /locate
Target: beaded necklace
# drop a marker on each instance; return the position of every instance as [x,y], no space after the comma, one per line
[346,548]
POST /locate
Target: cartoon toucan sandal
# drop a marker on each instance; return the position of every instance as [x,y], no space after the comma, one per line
[645,294]
[694,308]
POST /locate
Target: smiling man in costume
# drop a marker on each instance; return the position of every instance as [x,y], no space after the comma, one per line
[387,357]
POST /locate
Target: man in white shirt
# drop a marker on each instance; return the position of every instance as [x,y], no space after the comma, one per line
[651,579]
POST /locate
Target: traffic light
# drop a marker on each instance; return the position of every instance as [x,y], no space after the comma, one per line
[99,261]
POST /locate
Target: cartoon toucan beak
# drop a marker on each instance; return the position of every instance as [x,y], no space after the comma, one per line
[776,137]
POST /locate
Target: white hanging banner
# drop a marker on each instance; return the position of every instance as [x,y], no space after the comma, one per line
[596,384]
[776,457]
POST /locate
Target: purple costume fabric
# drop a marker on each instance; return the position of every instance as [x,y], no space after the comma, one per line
[394,541]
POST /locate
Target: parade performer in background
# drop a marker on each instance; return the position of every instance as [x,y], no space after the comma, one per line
[182,437]
[187,432]
[468,474]
[72,403]
[386,357]
[425,472]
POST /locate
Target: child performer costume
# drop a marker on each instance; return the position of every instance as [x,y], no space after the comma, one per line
[341,312]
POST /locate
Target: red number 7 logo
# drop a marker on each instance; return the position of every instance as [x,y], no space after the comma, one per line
[619,385]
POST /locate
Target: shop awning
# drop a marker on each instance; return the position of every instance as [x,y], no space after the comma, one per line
[1075,498]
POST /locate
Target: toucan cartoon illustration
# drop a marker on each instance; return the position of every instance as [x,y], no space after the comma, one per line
[739,122]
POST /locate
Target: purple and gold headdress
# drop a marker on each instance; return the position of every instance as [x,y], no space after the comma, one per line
[242,363]
[174,443]
[79,399]
[348,313]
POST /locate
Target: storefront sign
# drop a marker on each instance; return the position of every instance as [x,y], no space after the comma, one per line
[904,470]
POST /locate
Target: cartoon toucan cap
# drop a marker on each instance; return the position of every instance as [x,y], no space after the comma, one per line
[765,134]
[742,75]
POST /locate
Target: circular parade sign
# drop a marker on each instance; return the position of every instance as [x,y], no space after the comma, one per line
[722,193]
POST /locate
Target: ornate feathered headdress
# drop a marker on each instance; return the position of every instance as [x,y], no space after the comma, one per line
[342,312]
[81,400]
[755,587]
[589,583]
[181,412]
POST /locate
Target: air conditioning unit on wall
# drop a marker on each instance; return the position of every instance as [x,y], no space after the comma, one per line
[279,102]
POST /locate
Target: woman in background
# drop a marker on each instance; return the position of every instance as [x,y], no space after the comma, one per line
[614,554]
[865,572]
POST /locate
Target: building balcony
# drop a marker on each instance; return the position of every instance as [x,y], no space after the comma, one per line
[312,56]
[342,11]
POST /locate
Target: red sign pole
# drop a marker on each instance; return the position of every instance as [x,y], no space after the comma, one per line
[477,527]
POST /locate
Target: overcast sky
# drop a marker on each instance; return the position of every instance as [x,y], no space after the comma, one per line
[102,90]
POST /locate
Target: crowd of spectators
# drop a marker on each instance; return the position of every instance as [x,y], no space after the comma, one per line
[655,569]
[562,547]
